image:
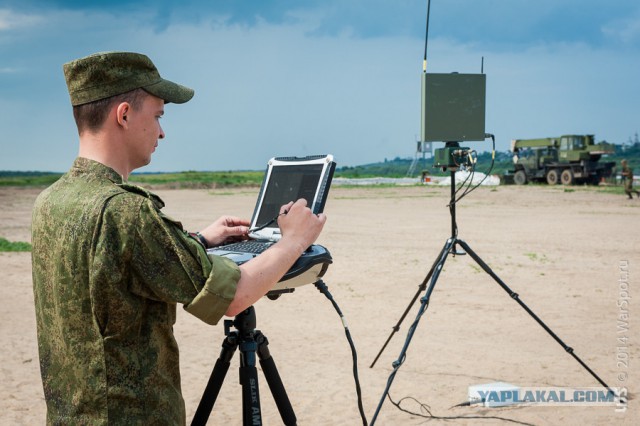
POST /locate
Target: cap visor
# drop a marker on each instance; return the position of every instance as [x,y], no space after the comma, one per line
[170,91]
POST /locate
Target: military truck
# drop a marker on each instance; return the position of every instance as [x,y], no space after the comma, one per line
[569,159]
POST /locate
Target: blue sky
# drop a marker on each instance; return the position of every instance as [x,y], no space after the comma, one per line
[279,77]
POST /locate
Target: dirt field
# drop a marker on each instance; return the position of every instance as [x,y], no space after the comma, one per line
[570,255]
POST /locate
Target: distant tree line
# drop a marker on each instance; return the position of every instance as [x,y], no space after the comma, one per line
[398,167]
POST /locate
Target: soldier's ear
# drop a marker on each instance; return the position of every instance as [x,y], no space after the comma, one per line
[122,112]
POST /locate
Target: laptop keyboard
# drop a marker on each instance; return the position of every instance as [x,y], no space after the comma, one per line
[251,246]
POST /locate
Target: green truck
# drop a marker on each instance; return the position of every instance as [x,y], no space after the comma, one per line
[568,159]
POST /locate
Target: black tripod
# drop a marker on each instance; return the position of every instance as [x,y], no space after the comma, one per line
[250,341]
[450,247]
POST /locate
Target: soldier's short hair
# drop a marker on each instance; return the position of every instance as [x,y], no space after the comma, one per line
[91,116]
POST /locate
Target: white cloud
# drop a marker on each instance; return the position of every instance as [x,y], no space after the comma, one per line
[10,20]
[624,30]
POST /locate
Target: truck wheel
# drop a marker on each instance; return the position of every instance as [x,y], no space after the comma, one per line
[552,177]
[520,177]
[567,177]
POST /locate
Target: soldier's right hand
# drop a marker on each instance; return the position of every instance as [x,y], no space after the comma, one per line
[299,224]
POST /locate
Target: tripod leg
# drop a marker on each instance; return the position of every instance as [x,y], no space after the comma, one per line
[252,414]
[423,307]
[396,327]
[275,383]
[515,297]
[216,379]
[421,288]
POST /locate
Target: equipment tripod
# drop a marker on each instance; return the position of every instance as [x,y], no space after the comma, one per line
[250,341]
[450,247]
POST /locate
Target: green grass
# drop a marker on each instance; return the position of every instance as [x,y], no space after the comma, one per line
[28,178]
[189,179]
[534,257]
[6,245]
[202,179]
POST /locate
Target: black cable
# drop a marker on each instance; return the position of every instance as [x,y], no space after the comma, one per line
[430,415]
[469,179]
[464,182]
[322,288]
[493,157]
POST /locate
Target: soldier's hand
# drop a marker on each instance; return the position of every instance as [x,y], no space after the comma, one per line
[299,224]
[225,230]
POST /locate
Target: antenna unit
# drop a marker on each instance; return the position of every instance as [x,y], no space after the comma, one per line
[453,107]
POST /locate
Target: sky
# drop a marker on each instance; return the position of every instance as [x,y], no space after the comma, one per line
[341,77]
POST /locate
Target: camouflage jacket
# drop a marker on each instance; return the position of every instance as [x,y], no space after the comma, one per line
[108,271]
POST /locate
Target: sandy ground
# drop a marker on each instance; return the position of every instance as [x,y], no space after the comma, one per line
[568,254]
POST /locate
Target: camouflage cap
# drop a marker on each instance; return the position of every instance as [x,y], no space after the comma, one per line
[107,74]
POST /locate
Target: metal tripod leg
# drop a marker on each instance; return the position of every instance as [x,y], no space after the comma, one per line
[273,380]
[421,288]
[216,379]
[251,411]
[424,304]
[515,297]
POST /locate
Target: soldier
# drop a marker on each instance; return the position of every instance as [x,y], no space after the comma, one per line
[627,177]
[109,267]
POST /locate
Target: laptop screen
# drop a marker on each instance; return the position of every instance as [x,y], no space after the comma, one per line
[289,179]
[288,184]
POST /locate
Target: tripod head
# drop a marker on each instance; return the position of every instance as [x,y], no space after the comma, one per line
[245,322]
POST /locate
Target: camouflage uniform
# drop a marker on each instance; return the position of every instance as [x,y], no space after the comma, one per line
[108,271]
